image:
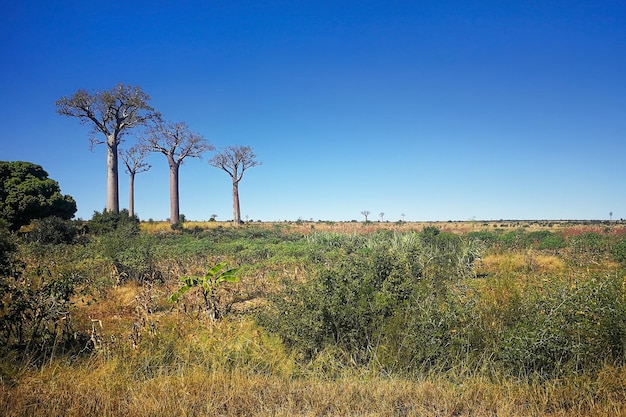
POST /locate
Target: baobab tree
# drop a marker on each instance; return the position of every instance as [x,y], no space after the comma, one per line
[234,160]
[382,215]
[176,142]
[365,213]
[133,159]
[112,113]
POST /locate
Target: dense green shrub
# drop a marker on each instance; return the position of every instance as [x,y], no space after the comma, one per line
[567,328]
[366,300]
[53,230]
[108,221]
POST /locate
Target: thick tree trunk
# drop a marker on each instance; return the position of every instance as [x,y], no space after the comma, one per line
[113,200]
[174,206]
[131,197]
[236,209]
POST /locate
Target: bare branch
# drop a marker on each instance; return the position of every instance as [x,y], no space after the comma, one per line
[235,160]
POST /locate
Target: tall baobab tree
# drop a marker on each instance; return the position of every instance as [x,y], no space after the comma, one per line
[112,113]
[176,142]
[234,160]
[133,159]
[365,213]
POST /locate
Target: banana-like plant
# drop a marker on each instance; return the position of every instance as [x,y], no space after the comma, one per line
[209,285]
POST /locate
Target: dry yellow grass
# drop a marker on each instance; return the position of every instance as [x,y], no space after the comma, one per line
[97,388]
[520,262]
[372,226]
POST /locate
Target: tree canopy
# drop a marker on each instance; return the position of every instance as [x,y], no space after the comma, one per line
[26,194]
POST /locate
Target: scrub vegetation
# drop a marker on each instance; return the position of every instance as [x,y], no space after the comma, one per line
[120,318]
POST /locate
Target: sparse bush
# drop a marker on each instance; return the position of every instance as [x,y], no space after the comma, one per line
[35,314]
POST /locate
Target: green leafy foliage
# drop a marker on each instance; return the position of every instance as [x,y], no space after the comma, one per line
[209,286]
[109,221]
[26,193]
[54,231]
[360,303]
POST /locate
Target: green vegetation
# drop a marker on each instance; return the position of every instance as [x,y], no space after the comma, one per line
[364,322]
[209,286]
[26,193]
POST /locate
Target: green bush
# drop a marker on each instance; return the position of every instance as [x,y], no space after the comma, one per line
[367,301]
[53,230]
[108,222]
[618,251]
[567,328]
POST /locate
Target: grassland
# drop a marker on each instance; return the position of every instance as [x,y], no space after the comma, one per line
[468,319]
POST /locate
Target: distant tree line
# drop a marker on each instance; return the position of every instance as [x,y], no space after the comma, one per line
[114,113]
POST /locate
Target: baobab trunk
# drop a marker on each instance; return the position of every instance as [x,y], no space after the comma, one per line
[113,200]
[236,209]
[131,197]
[174,207]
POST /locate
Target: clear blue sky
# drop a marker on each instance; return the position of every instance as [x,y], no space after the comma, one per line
[439,110]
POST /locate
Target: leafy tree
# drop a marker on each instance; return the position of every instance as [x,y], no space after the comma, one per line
[133,159]
[112,113]
[26,193]
[176,142]
[234,160]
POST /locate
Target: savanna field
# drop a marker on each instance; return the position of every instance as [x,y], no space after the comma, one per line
[112,317]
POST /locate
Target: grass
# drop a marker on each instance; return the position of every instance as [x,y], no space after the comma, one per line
[99,387]
[156,358]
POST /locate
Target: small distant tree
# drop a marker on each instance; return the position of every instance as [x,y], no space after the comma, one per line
[112,113]
[26,194]
[365,213]
[235,160]
[610,216]
[176,142]
[382,215]
[133,159]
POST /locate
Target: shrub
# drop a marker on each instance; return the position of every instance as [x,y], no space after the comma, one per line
[53,230]
[35,315]
[108,222]
[618,251]
[567,328]
[374,296]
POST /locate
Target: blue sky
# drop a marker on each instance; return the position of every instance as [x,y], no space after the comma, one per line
[438,110]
